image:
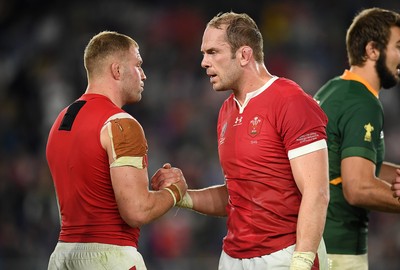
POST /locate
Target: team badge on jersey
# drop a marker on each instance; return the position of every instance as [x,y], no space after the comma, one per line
[255,126]
[368,128]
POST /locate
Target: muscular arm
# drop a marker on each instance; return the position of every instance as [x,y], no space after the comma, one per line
[136,203]
[311,175]
[126,147]
[210,201]
[363,189]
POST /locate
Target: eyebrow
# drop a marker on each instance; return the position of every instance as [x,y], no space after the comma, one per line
[140,60]
[209,50]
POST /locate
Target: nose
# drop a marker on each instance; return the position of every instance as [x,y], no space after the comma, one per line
[143,76]
[204,62]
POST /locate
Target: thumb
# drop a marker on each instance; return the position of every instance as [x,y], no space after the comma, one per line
[167,166]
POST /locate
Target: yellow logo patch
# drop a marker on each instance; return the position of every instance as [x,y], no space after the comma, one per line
[369,128]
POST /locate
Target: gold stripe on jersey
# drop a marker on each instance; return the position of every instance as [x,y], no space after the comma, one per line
[336,181]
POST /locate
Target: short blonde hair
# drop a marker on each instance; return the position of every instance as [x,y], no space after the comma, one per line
[103,45]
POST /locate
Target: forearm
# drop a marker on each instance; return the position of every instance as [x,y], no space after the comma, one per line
[362,188]
[311,222]
[376,195]
[136,203]
[145,208]
[210,201]
[311,176]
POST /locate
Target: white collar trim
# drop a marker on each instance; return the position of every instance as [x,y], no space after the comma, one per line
[253,94]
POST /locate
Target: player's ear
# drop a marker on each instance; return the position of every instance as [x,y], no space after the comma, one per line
[115,71]
[371,51]
[245,54]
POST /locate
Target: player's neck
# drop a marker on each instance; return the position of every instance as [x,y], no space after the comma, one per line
[369,74]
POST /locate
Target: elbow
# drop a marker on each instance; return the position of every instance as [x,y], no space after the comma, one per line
[135,220]
[352,198]
[325,197]
[352,201]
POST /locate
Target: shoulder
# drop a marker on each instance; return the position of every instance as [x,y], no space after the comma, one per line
[123,117]
[120,115]
[342,93]
[287,93]
[286,86]
[123,122]
[285,90]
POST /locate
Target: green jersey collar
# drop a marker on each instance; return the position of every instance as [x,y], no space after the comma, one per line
[348,75]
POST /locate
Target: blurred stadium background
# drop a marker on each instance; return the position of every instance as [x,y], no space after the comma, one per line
[41,71]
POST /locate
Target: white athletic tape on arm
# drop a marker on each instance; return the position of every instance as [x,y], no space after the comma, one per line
[186,202]
[172,194]
[302,260]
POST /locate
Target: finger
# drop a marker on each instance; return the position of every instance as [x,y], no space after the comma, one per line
[162,172]
[178,172]
[157,179]
[155,184]
[160,185]
[396,194]
[167,166]
[395,186]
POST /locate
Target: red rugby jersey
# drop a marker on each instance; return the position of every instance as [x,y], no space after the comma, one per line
[80,169]
[253,144]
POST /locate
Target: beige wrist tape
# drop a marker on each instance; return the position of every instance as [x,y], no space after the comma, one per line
[179,192]
[302,260]
[172,194]
[175,191]
[186,201]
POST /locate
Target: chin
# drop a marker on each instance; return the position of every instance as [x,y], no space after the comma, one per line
[134,100]
[218,88]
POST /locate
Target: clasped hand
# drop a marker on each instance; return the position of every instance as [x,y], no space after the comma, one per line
[168,175]
[396,185]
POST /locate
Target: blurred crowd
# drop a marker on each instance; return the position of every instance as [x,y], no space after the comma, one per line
[41,71]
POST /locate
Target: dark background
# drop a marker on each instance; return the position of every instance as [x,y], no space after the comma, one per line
[41,71]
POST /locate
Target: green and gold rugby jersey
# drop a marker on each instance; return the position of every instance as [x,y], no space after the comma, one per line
[355,128]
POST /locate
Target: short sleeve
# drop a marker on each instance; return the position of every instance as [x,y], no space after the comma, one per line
[303,122]
[361,129]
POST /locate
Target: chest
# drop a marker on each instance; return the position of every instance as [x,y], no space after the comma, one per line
[251,134]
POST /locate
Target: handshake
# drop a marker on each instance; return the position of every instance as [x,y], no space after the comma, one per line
[396,185]
[172,179]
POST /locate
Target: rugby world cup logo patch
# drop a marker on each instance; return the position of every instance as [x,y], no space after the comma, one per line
[255,126]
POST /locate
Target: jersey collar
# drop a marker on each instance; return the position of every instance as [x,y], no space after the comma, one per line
[348,75]
[255,93]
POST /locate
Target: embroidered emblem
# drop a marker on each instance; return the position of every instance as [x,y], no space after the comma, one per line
[369,128]
[255,126]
